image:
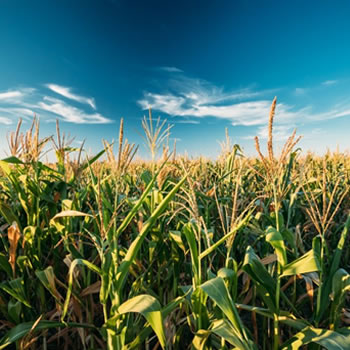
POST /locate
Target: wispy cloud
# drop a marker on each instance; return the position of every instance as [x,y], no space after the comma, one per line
[16,112]
[188,121]
[15,96]
[247,113]
[67,92]
[70,113]
[6,121]
[171,69]
[330,82]
[10,95]
[189,97]
[27,102]
[195,99]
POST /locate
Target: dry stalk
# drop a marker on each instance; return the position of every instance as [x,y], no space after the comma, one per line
[14,140]
[121,135]
[269,141]
[62,144]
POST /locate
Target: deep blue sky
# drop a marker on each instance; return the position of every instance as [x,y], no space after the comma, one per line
[202,65]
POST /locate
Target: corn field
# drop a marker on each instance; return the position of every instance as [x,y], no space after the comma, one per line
[111,252]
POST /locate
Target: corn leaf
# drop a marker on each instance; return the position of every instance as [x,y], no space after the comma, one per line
[276,240]
[148,307]
[223,329]
[305,264]
[266,285]
[74,263]
[69,213]
[226,237]
[21,330]
[330,340]
[217,291]
[47,278]
[123,268]
[16,289]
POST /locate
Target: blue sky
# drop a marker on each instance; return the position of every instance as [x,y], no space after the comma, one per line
[202,65]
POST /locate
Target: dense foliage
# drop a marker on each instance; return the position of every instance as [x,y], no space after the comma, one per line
[237,253]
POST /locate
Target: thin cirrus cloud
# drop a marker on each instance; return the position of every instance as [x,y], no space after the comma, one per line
[171,69]
[5,121]
[70,113]
[191,99]
[188,121]
[194,99]
[330,82]
[10,95]
[15,96]
[247,113]
[67,92]
[27,102]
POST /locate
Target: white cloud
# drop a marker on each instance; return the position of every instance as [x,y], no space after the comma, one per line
[27,102]
[247,113]
[15,96]
[16,112]
[10,95]
[70,113]
[6,121]
[188,121]
[195,99]
[66,92]
[171,69]
[329,82]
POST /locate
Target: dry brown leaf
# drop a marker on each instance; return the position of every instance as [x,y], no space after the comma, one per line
[309,290]
[13,235]
[269,259]
[92,289]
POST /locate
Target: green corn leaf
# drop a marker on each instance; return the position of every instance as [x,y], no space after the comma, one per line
[47,278]
[21,330]
[340,287]
[276,240]
[123,268]
[5,265]
[190,235]
[14,309]
[12,160]
[5,167]
[330,340]
[223,329]
[105,278]
[92,160]
[305,264]
[138,204]
[265,283]
[176,237]
[74,263]
[16,289]
[146,331]
[217,291]
[148,307]
[338,252]
[227,236]
[200,339]
[224,272]
[334,267]
[8,214]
